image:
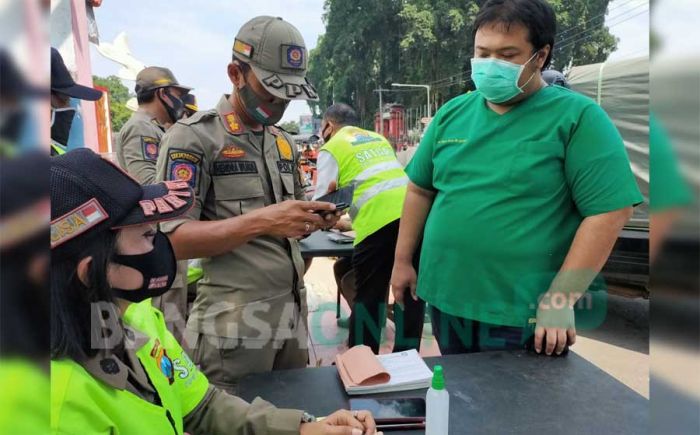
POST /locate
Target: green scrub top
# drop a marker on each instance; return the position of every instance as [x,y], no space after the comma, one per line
[511,191]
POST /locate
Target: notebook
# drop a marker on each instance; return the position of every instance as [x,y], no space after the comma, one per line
[363,372]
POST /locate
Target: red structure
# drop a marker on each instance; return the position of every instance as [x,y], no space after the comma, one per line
[394,126]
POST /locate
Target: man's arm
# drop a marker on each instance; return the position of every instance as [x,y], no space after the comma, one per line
[327,168]
[587,255]
[202,239]
[415,211]
[139,160]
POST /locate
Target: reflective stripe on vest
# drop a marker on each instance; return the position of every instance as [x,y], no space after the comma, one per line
[374,191]
[376,169]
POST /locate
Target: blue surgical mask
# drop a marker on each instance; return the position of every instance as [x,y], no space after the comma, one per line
[497,80]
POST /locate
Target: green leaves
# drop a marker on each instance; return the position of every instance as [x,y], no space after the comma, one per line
[118,96]
[372,43]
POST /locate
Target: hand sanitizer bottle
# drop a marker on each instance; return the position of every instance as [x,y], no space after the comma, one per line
[437,402]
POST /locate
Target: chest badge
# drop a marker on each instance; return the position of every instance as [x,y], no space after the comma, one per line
[232,152]
[284,148]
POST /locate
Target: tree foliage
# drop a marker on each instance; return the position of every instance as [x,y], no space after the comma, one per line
[290,127]
[118,96]
[370,44]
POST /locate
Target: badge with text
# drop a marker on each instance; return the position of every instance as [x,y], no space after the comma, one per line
[184,166]
[285,167]
[234,167]
[284,148]
[76,222]
[149,146]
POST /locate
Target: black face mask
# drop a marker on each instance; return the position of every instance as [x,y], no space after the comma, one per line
[60,127]
[158,268]
[173,105]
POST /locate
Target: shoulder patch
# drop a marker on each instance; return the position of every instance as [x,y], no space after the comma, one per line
[184,166]
[149,146]
[232,123]
[200,116]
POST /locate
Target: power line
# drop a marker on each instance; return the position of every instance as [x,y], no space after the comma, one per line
[618,6]
[610,20]
[569,44]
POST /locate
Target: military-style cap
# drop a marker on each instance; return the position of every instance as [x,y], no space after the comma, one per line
[277,54]
[190,102]
[154,77]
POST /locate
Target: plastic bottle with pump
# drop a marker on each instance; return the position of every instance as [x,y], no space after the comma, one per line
[437,402]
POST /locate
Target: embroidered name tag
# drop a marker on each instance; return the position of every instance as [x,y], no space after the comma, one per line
[235,167]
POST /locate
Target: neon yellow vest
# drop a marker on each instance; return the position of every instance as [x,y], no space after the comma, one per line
[23,409]
[57,149]
[367,159]
[82,404]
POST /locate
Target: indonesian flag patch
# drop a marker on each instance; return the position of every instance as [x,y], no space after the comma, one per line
[76,222]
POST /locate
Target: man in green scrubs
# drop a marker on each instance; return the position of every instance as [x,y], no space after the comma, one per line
[520,190]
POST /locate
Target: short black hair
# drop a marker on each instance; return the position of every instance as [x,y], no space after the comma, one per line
[72,319]
[536,15]
[146,96]
[341,114]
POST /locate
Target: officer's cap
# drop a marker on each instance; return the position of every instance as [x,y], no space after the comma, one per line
[154,77]
[277,54]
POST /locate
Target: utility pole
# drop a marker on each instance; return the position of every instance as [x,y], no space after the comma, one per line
[381,109]
[427,88]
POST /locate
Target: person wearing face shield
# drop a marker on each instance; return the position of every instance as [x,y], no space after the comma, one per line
[115,367]
[520,191]
[159,97]
[250,310]
[63,88]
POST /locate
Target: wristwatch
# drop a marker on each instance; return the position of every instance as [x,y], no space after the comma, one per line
[307,418]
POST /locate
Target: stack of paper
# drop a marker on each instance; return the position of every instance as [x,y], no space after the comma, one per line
[363,372]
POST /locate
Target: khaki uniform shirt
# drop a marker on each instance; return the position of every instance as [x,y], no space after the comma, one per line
[137,146]
[234,171]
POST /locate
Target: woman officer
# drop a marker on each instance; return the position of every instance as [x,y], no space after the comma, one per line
[115,367]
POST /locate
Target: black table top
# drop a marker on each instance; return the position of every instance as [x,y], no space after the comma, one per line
[514,392]
[319,245]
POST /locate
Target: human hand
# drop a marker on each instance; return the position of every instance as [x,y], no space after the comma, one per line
[556,326]
[294,219]
[403,280]
[342,422]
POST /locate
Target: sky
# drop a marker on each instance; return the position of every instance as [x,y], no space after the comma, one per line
[195,41]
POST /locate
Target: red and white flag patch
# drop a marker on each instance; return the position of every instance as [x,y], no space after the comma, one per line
[77,222]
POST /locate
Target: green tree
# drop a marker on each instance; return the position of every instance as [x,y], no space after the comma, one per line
[370,44]
[290,127]
[118,96]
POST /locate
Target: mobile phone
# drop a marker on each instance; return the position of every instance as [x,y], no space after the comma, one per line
[396,413]
[340,197]
[340,238]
